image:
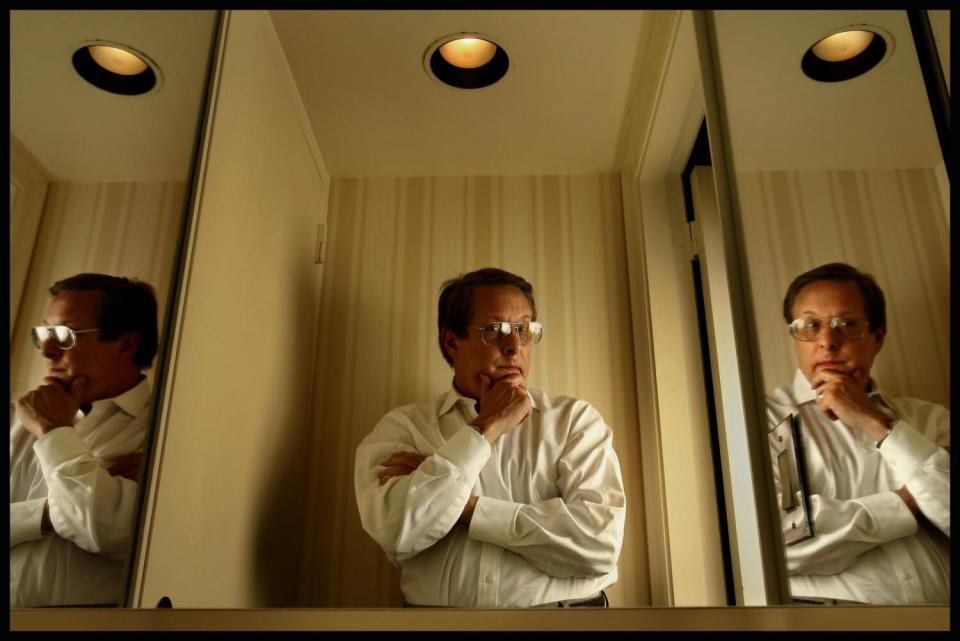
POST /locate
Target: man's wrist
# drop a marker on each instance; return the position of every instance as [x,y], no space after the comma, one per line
[486,429]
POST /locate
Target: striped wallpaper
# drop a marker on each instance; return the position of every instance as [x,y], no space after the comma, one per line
[890,224]
[125,229]
[392,242]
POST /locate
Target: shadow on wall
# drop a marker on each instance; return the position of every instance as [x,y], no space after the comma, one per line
[281,505]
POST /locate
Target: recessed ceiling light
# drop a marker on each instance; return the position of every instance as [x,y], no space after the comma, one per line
[468,53]
[115,68]
[846,53]
[466,61]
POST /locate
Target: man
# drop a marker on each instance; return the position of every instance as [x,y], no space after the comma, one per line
[878,467]
[493,495]
[75,444]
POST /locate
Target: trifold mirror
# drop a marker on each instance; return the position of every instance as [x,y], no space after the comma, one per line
[817,172]
[100,178]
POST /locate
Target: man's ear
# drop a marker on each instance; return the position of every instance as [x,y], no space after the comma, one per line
[880,334]
[450,344]
[128,344]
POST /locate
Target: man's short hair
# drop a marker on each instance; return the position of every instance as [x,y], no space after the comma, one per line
[873,301]
[124,305]
[455,308]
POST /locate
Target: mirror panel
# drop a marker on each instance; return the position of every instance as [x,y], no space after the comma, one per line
[99,182]
[839,171]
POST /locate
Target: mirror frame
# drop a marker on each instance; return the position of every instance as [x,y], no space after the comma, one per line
[172,316]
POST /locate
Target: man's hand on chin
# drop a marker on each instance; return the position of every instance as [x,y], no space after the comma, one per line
[52,404]
[844,396]
[504,404]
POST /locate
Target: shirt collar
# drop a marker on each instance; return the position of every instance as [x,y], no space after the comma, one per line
[134,401]
[453,396]
[803,393]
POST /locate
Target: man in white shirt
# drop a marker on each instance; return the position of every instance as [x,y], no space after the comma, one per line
[493,495]
[878,467]
[76,442]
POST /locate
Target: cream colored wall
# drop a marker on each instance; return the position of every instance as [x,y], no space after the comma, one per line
[225,511]
[392,244]
[125,229]
[28,190]
[888,223]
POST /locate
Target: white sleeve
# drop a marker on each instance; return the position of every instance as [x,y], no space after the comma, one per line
[845,529]
[25,517]
[410,513]
[87,505]
[923,466]
[579,533]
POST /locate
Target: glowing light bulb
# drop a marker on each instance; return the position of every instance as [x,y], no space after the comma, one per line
[843,46]
[468,53]
[117,60]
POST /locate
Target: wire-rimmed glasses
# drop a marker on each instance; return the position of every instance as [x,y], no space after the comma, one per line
[529,332]
[65,337]
[849,328]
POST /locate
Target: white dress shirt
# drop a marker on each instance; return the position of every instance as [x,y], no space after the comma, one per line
[548,523]
[83,562]
[868,547]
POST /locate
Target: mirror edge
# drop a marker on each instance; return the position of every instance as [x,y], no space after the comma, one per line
[172,318]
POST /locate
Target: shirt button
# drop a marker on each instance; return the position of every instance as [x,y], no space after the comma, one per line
[488,579]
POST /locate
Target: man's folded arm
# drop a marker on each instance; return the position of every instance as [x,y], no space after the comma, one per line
[845,529]
[411,512]
[579,533]
[86,504]
[924,466]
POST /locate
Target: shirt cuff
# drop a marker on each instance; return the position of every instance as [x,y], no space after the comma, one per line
[58,446]
[25,518]
[890,514]
[905,449]
[467,450]
[492,520]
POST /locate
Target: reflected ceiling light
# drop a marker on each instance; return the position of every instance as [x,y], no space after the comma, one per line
[846,53]
[468,53]
[115,68]
[466,61]
[117,60]
[842,46]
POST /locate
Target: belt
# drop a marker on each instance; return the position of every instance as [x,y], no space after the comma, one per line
[816,600]
[598,600]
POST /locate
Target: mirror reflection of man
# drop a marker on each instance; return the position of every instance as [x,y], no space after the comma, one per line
[878,467]
[75,444]
[494,495]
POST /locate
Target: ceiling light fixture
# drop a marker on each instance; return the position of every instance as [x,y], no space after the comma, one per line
[466,61]
[116,68]
[846,53]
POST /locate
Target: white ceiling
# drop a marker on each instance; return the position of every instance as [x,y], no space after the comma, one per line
[559,110]
[375,111]
[781,119]
[83,134]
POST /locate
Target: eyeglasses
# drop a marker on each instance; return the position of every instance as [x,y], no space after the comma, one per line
[64,336]
[849,328]
[492,333]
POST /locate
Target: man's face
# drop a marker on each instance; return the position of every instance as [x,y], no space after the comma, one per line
[471,357]
[99,361]
[824,300]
